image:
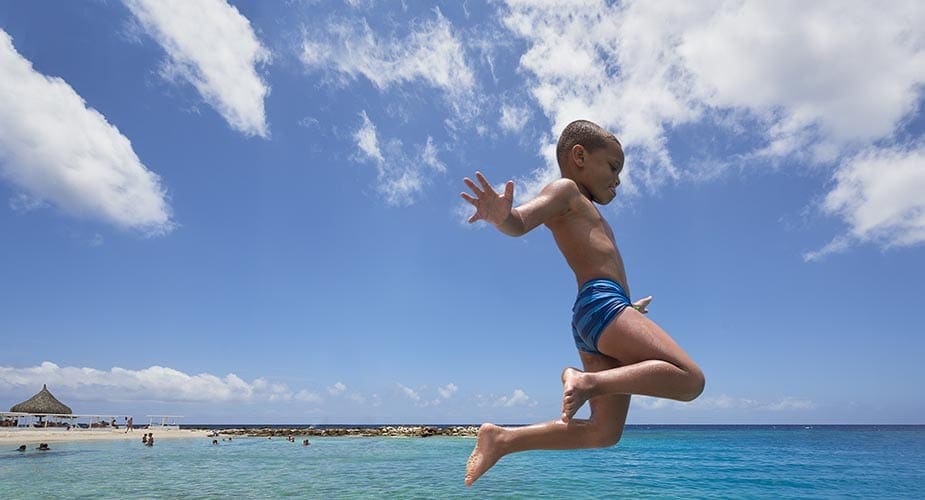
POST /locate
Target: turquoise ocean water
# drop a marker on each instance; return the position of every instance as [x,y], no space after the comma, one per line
[650,461]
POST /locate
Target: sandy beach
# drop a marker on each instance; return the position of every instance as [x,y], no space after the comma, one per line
[30,436]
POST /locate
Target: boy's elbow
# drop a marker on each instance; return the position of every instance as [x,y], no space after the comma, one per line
[514,225]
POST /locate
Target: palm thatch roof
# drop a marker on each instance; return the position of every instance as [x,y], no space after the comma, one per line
[43,402]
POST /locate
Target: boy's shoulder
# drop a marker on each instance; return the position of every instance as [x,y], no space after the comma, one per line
[563,186]
[566,195]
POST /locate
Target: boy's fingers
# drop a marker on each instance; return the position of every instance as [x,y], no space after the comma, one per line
[473,187]
[485,185]
[509,189]
[470,199]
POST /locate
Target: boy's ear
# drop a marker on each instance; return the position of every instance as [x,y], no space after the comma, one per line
[578,154]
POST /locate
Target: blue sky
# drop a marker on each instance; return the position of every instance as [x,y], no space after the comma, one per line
[250,212]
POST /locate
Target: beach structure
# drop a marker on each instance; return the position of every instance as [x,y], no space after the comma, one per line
[49,421]
[42,403]
[44,411]
[164,422]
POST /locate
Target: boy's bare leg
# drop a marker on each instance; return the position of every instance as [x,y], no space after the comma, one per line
[652,365]
[604,428]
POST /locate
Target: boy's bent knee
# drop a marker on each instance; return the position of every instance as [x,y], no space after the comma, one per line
[695,384]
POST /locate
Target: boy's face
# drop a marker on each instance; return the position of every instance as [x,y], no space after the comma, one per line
[602,169]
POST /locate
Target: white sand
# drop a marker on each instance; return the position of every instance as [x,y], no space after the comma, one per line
[31,436]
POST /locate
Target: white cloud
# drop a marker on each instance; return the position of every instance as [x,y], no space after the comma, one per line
[444,393]
[57,150]
[879,193]
[429,156]
[368,140]
[149,384]
[307,396]
[650,403]
[724,402]
[447,390]
[517,398]
[21,202]
[790,403]
[213,47]
[340,389]
[848,69]
[409,392]
[431,54]
[513,118]
[400,178]
[822,81]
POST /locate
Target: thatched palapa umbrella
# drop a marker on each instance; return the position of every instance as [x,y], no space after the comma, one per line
[43,402]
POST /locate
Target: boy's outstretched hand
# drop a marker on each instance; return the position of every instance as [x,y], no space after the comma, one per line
[489,205]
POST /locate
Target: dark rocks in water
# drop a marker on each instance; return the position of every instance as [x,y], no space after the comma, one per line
[383,431]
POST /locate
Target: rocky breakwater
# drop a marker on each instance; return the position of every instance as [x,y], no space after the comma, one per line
[383,431]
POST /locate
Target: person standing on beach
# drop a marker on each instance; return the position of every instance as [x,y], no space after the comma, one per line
[622,351]
[129,425]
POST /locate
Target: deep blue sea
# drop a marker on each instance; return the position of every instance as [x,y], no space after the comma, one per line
[649,462]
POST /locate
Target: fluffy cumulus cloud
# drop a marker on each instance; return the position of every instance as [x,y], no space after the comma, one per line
[149,384]
[824,75]
[431,54]
[810,83]
[517,398]
[214,48]
[447,391]
[419,398]
[879,194]
[400,177]
[59,151]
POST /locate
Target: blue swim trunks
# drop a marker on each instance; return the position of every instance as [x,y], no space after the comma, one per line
[599,302]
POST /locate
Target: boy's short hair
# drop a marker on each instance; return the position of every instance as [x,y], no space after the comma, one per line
[589,134]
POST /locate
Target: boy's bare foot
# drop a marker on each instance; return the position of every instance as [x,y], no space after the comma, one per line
[485,454]
[575,391]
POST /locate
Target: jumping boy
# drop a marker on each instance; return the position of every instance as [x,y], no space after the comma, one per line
[622,351]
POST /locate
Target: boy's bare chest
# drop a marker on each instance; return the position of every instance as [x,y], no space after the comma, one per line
[583,227]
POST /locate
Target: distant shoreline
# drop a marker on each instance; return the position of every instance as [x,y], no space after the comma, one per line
[31,436]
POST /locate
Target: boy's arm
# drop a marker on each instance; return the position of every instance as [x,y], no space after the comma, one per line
[553,200]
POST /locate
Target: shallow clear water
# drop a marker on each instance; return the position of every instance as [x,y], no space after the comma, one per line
[701,462]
